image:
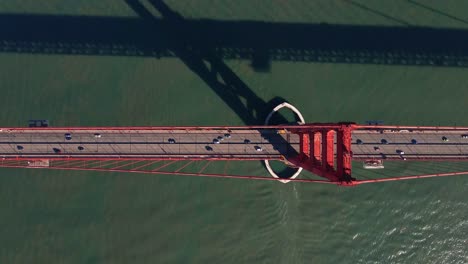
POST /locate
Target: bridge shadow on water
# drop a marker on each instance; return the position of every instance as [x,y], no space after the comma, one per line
[260,42]
[218,76]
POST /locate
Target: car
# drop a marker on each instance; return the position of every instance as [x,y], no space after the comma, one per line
[19,147]
[384,141]
[216,141]
[80,148]
[414,141]
[56,150]
[445,139]
[68,136]
[208,148]
[376,148]
[246,141]
[171,141]
[464,136]
[97,135]
[258,148]
[401,152]
[359,142]
[227,135]
[220,138]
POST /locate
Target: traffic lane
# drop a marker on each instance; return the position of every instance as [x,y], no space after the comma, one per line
[143,137]
[421,138]
[411,157]
[419,150]
[124,143]
[422,148]
[427,145]
[135,148]
[411,149]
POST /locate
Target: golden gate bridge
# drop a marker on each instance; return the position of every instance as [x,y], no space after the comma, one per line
[326,150]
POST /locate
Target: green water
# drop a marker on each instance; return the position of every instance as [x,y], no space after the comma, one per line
[83,217]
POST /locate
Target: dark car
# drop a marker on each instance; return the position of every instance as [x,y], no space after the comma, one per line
[171,141]
[80,148]
[208,148]
[359,142]
[246,141]
[19,147]
[384,141]
[414,141]
[68,136]
[56,150]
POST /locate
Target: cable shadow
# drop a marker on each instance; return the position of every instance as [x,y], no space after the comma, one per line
[376,12]
[437,11]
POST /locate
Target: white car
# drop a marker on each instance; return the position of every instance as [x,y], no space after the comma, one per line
[97,135]
[258,148]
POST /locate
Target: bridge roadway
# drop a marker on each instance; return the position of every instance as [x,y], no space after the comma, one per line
[35,143]
[194,144]
[428,144]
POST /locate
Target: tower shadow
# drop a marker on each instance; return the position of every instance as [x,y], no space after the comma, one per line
[217,75]
[205,62]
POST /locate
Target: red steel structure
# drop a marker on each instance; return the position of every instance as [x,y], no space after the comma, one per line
[324,149]
[317,147]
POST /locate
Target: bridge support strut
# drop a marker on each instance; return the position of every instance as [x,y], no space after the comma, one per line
[318,148]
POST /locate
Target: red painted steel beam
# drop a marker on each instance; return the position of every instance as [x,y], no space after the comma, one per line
[409,158]
[296,128]
[318,170]
[344,153]
[397,127]
[304,127]
[323,133]
[304,144]
[340,153]
[109,157]
[401,178]
[317,147]
[331,150]
[328,156]
[186,174]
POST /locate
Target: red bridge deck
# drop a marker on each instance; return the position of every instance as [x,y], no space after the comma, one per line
[324,149]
